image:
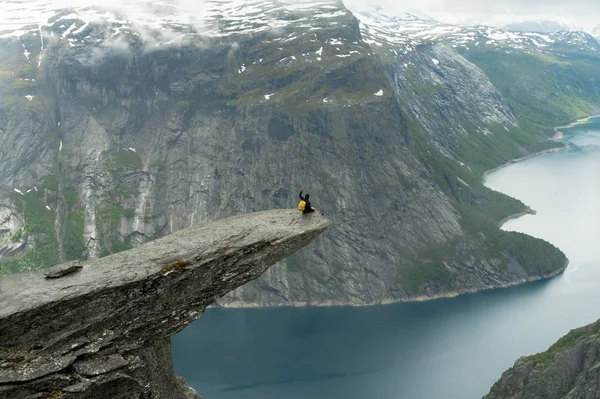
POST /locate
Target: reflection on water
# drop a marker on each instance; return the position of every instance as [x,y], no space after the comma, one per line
[447,349]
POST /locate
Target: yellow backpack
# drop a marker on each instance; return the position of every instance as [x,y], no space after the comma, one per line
[301,206]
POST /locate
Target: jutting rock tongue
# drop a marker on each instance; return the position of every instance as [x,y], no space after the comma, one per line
[82,330]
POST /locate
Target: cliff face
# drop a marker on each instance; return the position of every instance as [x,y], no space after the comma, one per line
[567,370]
[111,139]
[103,330]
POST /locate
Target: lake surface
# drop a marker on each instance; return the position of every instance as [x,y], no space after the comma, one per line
[445,349]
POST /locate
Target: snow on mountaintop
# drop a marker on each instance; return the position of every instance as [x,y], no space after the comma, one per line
[164,22]
[174,19]
[406,31]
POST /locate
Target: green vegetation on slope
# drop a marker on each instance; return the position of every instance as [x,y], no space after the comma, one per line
[108,217]
[72,236]
[38,208]
[564,344]
[544,91]
[39,225]
[481,210]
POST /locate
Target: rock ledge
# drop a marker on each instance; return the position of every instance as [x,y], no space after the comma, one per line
[104,330]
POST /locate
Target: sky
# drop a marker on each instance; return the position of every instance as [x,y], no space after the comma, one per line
[574,13]
[577,14]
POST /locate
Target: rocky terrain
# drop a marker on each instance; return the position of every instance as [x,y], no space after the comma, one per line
[567,370]
[120,128]
[101,328]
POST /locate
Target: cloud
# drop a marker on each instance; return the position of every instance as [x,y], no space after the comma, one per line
[160,23]
[155,19]
[110,47]
[576,13]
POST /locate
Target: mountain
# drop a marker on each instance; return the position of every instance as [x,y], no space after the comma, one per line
[552,27]
[122,127]
[409,31]
[568,369]
[538,26]
[595,31]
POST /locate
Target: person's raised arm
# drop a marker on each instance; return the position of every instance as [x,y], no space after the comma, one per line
[301,196]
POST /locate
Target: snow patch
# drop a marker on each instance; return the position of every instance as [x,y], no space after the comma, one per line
[268,96]
[29,97]
[69,29]
[435,61]
[60,145]
[47,207]
[26,53]
[131,149]
[17,33]
[18,191]
[379,93]
[78,31]
[319,51]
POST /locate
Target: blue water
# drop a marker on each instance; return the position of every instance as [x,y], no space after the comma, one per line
[448,349]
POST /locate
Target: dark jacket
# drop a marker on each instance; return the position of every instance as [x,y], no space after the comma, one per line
[308,208]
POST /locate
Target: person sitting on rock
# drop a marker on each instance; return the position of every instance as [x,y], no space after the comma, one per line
[305,205]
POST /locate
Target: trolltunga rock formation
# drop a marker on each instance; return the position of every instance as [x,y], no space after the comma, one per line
[102,330]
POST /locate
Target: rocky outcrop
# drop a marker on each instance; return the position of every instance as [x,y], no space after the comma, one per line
[569,369]
[102,329]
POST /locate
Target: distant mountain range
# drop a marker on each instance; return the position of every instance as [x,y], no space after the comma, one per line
[551,27]
[538,26]
[379,28]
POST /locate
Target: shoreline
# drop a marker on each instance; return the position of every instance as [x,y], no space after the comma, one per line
[389,301]
[558,135]
[557,130]
[581,121]
[526,157]
[528,211]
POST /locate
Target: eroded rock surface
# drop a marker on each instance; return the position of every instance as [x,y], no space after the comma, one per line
[104,331]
